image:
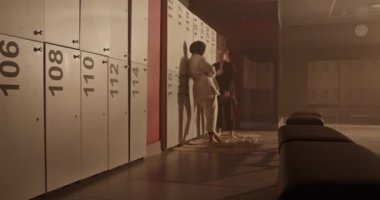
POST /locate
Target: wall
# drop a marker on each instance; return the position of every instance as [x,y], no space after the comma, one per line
[154,43]
[300,44]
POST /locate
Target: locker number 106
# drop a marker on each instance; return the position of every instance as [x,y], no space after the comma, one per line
[8,67]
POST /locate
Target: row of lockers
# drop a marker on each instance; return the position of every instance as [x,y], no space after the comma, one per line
[79,121]
[183,121]
[349,82]
[185,27]
[97,26]
[65,86]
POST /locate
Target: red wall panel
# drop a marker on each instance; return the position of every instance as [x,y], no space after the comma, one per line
[153,121]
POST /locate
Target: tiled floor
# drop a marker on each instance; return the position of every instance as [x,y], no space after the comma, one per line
[178,175]
[182,175]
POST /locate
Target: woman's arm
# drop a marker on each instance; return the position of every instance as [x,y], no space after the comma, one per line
[208,68]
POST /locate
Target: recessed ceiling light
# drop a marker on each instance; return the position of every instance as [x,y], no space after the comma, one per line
[374,5]
[361,30]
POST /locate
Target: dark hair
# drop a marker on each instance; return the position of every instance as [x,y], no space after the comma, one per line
[198,47]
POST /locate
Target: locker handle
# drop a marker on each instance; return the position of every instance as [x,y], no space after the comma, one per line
[125,55]
[37,32]
[37,119]
[76,56]
[104,61]
[75,41]
[106,49]
[35,49]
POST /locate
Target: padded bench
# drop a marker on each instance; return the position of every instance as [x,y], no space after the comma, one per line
[309,133]
[315,113]
[328,171]
[304,119]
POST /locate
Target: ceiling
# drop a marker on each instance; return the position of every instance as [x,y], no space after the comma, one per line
[232,10]
[251,23]
[308,12]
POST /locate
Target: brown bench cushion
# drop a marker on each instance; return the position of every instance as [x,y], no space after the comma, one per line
[315,113]
[328,171]
[304,120]
[309,133]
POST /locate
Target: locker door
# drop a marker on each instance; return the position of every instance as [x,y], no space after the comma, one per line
[138,111]
[139,44]
[213,46]
[207,42]
[189,31]
[119,29]
[189,36]
[202,30]
[94,114]
[22,18]
[172,34]
[22,168]
[118,135]
[196,28]
[62,22]
[62,75]
[172,111]
[95,26]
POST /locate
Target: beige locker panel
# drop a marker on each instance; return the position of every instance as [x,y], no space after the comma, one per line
[118,134]
[95,26]
[23,18]
[139,33]
[207,42]
[176,43]
[348,83]
[119,29]
[22,155]
[323,83]
[63,146]
[62,22]
[94,114]
[189,33]
[202,30]
[196,28]
[213,56]
[172,35]
[180,48]
[359,90]
[138,111]
[173,133]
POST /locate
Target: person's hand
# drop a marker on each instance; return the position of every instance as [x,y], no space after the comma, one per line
[219,72]
[227,94]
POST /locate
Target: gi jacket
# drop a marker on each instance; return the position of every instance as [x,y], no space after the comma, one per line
[203,74]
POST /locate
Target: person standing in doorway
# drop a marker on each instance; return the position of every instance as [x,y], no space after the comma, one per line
[205,87]
[226,101]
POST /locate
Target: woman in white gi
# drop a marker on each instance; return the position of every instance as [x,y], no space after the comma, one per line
[205,87]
